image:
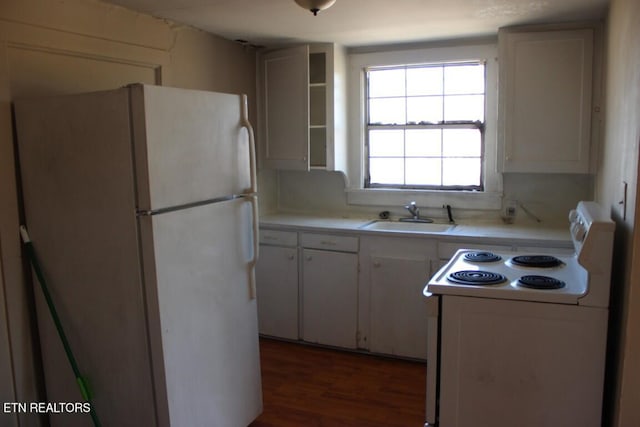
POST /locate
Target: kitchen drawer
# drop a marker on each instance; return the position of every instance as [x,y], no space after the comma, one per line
[329,242]
[278,238]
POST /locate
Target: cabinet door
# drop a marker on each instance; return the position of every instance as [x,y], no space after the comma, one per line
[330,282]
[398,307]
[545,105]
[277,289]
[286,108]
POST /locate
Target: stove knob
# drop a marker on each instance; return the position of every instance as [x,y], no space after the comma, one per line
[580,232]
[573,215]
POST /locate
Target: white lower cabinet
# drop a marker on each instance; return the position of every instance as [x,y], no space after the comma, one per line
[360,292]
[329,290]
[398,308]
[277,284]
[307,289]
[393,314]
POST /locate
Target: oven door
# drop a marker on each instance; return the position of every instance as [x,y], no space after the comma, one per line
[510,363]
[433,361]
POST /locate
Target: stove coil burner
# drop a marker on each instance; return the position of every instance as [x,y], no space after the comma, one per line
[481,256]
[539,261]
[476,277]
[540,282]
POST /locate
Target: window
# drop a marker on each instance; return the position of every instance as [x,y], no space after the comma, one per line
[364,191]
[425,126]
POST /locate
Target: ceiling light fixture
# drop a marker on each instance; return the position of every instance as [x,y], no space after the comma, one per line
[315,6]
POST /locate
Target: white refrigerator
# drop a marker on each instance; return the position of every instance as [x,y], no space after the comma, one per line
[141,205]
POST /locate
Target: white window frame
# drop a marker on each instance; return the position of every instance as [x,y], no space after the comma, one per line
[490,198]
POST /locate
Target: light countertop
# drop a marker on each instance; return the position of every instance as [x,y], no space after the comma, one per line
[556,235]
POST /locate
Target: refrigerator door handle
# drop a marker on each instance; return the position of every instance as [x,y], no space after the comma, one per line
[252,147]
[253,195]
[256,243]
[158,211]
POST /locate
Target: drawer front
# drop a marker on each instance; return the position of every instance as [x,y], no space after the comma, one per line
[329,242]
[278,238]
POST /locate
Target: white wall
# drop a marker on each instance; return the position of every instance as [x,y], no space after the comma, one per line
[548,197]
[619,163]
[65,46]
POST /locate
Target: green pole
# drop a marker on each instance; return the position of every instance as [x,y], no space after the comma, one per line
[82,384]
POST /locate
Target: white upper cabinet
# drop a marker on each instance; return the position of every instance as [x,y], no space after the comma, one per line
[285,116]
[303,108]
[545,100]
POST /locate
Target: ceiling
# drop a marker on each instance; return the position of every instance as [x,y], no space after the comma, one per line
[363,22]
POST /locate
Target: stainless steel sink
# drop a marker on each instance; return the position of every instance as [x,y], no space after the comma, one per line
[407,226]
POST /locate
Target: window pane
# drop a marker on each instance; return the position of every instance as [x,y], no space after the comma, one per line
[387,83]
[386,171]
[461,143]
[461,171]
[464,79]
[423,143]
[423,171]
[386,143]
[434,156]
[464,107]
[387,111]
[424,81]
[424,109]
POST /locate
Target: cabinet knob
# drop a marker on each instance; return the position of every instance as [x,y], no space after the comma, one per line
[291,257]
[377,264]
[308,258]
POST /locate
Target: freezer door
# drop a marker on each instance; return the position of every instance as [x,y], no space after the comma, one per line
[189,145]
[203,319]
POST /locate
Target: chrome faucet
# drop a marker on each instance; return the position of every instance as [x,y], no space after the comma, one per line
[413,210]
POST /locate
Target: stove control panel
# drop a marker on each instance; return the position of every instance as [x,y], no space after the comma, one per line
[592,234]
[578,228]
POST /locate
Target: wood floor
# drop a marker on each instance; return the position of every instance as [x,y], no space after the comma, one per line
[309,386]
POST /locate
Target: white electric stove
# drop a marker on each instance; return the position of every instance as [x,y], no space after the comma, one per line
[527,276]
[519,338]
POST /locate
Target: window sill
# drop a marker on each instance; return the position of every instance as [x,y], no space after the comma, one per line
[425,198]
